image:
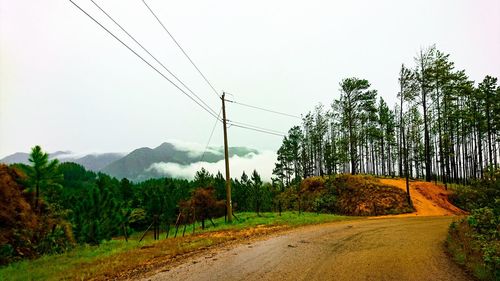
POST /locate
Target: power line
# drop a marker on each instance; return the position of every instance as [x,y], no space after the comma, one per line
[264,109]
[140,45]
[178,45]
[257,130]
[210,138]
[256,127]
[144,60]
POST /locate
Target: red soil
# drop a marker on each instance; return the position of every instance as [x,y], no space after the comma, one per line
[428,198]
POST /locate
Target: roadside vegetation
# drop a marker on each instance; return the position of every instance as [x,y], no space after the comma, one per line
[120,259]
[474,241]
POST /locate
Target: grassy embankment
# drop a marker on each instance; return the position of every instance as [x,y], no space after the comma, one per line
[117,258]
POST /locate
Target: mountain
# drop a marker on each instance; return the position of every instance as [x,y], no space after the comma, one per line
[18,157]
[93,162]
[135,166]
[96,162]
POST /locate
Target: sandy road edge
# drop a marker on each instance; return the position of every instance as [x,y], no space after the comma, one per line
[269,232]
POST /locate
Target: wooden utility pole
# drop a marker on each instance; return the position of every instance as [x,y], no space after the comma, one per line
[229,207]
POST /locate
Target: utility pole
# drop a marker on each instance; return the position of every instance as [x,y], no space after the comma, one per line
[229,207]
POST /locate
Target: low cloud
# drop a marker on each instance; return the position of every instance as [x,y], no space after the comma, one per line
[70,155]
[193,149]
[262,162]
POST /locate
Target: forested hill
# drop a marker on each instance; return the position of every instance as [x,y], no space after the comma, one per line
[136,165]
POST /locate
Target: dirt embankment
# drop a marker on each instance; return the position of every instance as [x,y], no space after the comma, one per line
[366,196]
[354,195]
[428,198]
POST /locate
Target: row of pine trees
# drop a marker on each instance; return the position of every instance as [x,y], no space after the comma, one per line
[443,126]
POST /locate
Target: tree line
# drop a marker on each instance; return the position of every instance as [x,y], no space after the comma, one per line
[443,127]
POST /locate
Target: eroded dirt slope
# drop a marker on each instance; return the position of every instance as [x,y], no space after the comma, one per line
[428,198]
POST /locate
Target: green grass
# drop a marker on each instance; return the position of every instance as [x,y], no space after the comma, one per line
[84,262]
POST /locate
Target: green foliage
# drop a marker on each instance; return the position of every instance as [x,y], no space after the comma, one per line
[159,197]
[97,216]
[137,218]
[203,178]
[481,193]
[57,240]
[251,194]
[475,240]
[7,253]
[325,204]
[43,175]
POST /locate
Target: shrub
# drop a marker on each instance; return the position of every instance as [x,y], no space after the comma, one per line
[474,241]
[481,193]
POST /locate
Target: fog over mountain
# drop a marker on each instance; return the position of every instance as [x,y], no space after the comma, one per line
[262,162]
[170,159]
[182,159]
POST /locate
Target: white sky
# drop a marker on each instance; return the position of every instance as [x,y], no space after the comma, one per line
[67,85]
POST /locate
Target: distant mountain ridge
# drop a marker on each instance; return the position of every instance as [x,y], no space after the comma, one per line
[94,162]
[136,165]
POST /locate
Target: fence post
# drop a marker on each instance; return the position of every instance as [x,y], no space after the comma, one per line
[144,234]
[194,219]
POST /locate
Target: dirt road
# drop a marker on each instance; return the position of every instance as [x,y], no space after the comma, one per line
[403,248]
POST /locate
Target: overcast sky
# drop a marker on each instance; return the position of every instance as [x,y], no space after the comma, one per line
[67,85]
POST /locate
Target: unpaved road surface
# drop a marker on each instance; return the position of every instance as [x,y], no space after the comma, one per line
[401,248]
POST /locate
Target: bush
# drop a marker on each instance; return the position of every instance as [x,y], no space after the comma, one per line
[474,242]
[137,219]
[326,204]
[58,240]
[481,193]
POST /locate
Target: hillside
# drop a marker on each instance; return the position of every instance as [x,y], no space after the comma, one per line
[135,165]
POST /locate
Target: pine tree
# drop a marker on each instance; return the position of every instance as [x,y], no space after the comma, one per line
[43,174]
[355,99]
